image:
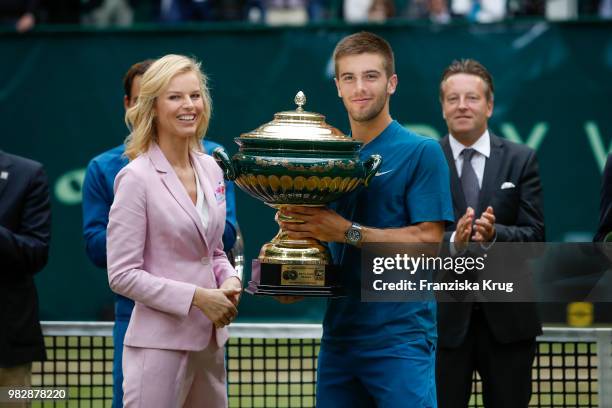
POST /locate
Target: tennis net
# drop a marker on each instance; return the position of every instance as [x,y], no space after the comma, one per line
[274,365]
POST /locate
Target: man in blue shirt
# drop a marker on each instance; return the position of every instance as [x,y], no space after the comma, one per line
[97,199]
[378,354]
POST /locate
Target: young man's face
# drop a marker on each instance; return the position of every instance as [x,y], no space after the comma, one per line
[465,107]
[363,85]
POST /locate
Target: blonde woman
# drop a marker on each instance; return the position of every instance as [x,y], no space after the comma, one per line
[164,245]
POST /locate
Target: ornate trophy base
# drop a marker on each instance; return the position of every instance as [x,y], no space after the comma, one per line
[294,267]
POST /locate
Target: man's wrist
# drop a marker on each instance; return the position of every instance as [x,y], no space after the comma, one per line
[342,231]
[354,234]
[487,245]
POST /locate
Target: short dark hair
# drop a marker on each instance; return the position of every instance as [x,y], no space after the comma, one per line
[470,67]
[135,70]
[362,43]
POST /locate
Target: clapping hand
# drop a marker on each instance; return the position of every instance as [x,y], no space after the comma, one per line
[485,227]
[463,230]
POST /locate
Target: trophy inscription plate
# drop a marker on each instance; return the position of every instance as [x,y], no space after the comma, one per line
[298,275]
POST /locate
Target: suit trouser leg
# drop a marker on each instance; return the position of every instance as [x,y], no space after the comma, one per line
[18,376]
[454,371]
[207,368]
[153,377]
[505,369]
[173,378]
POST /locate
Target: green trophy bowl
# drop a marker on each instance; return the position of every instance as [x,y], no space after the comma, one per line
[296,159]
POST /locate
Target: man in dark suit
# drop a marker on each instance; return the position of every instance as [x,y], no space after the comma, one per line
[496,193]
[605,205]
[25,230]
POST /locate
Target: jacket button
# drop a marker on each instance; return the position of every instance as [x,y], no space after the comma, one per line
[204,261]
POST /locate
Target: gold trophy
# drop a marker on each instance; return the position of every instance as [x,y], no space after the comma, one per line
[296,159]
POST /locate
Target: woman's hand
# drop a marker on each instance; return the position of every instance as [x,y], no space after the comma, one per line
[233,283]
[216,304]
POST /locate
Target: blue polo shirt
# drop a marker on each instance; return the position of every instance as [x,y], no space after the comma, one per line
[412,186]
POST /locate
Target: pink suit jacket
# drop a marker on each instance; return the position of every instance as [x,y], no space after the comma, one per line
[158,251]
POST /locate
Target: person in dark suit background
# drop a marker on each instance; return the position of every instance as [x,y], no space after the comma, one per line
[25,231]
[496,193]
[605,203]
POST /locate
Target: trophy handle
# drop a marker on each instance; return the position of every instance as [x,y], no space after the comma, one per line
[224,161]
[371,167]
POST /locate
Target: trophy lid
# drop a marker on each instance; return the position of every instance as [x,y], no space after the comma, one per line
[296,125]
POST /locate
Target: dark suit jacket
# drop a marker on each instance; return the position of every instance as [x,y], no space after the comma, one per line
[519,218]
[605,204]
[25,230]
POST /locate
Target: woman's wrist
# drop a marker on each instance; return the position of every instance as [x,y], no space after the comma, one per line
[236,282]
[198,296]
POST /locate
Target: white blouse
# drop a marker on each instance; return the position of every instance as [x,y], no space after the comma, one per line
[201,204]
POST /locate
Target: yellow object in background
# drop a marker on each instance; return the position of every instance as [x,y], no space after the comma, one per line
[580,314]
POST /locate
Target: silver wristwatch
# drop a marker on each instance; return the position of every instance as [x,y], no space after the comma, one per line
[354,234]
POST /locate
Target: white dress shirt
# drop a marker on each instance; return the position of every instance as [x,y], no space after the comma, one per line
[479,159]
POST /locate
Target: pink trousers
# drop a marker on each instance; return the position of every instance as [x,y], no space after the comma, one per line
[174,378]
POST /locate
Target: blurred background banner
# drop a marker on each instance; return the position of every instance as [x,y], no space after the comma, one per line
[61,104]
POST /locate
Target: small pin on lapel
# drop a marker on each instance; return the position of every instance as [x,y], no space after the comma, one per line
[4,175]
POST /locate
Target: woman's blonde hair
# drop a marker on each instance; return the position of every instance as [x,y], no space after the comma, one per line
[141,117]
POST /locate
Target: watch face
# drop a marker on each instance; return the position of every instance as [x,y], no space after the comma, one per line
[353,235]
